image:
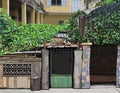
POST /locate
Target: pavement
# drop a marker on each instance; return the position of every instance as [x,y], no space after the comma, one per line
[94,89]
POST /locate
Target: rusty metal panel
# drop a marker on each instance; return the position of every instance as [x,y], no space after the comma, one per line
[103,63]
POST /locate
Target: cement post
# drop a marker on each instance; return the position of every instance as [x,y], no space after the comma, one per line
[45,69]
[77,69]
[86,65]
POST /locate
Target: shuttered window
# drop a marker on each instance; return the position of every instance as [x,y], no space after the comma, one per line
[48,2]
[56,2]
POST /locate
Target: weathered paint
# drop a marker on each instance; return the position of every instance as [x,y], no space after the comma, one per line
[51,8]
[86,67]
[45,69]
[36,69]
[61,81]
[77,69]
[55,18]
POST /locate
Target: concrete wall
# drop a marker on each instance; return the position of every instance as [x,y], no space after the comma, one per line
[14,81]
[77,69]
[20,81]
[45,69]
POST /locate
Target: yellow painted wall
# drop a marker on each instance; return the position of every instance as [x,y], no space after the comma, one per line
[54,19]
[63,9]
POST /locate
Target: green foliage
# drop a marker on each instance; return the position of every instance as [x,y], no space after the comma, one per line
[106,2]
[7,26]
[72,27]
[30,36]
[17,37]
[103,27]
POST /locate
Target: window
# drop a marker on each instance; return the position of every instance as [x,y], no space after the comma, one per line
[56,2]
[16,69]
[61,22]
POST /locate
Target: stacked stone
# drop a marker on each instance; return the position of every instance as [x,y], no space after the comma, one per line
[118,69]
[86,65]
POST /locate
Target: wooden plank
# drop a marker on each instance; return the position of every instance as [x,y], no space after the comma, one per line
[11,83]
[26,52]
[4,82]
[35,83]
[23,82]
[15,82]
[61,81]
[102,78]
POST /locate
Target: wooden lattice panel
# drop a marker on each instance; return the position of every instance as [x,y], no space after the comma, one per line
[16,69]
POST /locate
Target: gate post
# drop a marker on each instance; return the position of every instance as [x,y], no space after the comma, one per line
[77,69]
[45,69]
[86,65]
[118,68]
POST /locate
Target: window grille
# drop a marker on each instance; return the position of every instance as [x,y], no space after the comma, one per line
[16,69]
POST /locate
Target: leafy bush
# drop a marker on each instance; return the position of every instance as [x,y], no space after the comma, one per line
[32,35]
[7,28]
[73,28]
[106,2]
[17,37]
[104,25]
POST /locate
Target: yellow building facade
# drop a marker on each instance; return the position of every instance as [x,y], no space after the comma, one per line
[59,10]
[25,11]
[44,11]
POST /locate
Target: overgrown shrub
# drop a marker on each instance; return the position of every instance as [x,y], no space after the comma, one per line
[17,37]
[103,27]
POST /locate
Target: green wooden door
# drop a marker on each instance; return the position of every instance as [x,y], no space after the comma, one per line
[61,81]
[61,66]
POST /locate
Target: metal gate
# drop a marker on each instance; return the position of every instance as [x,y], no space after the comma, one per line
[103,64]
[61,67]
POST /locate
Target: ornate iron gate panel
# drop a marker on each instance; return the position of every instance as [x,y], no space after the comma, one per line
[103,64]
